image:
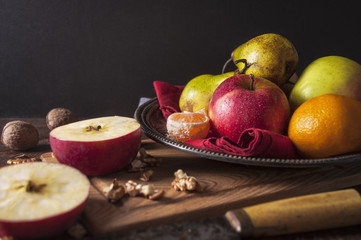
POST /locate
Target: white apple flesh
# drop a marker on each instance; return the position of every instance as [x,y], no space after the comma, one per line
[97,146]
[40,200]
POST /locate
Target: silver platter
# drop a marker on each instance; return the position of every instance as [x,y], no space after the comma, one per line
[154,126]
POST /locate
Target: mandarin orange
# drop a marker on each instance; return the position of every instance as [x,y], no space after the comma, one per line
[184,126]
[327,125]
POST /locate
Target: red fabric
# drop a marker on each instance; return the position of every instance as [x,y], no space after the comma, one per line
[168,97]
[252,142]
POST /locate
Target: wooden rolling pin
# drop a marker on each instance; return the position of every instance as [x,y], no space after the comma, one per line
[299,214]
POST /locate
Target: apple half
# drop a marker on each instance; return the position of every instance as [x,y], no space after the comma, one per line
[97,146]
[40,200]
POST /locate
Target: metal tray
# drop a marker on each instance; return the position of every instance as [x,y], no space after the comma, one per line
[154,126]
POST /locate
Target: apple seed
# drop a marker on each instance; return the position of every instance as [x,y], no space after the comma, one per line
[91,128]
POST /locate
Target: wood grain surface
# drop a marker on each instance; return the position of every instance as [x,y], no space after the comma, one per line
[226,186]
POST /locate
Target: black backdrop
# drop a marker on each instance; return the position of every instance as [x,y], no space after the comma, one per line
[98,57]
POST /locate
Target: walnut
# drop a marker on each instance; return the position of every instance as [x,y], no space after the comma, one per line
[114,192]
[19,135]
[143,161]
[183,182]
[77,231]
[59,116]
[158,194]
[136,165]
[149,192]
[146,190]
[146,174]
[7,238]
[22,159]
[180,174]
[149,159]
[132,188]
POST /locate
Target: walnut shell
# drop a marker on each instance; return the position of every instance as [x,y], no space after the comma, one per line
[59,116]
[19,135]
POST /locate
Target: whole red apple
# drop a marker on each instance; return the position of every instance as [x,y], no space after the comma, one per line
[97,146]
[244,101]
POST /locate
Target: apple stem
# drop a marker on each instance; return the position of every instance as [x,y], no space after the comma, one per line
[243,70]
[32,187]
[225,65]
[252,81]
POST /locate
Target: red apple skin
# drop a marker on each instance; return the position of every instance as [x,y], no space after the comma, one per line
[47,228]
[97,157]
[235,107]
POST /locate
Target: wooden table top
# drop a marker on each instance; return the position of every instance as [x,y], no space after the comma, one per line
[193,216]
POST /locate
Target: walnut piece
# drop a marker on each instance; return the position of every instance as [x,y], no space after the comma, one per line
[77,231]
[149,159]
[132,188]
[143,161]
[183,182]
[136,165]
[158,194]
[146,190]
[180,174]
[7,238]
[114,192]
[22,159]
[146,174]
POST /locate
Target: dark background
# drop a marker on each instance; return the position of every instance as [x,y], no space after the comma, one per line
[98,57]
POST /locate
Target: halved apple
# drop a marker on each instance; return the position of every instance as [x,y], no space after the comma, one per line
[40,200]
[97,146]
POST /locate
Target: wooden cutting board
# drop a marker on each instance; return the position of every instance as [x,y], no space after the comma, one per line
[226,186]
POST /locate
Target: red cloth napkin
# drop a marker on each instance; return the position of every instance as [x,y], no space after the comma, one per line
[168,97]
[252,142]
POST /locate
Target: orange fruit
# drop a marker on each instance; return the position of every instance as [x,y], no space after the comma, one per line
[184,126]
[327,125]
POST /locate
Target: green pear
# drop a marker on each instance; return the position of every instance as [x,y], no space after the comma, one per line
[269,56]
[198,92]
[330,74]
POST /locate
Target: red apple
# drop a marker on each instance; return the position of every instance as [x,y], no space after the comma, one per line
[244,101]
[40,200]
[97,146]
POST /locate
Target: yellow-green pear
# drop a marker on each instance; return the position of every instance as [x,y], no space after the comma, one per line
[330,74]
[269,56]
[198,92]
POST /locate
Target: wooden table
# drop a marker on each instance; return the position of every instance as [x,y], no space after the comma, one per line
[186,215]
